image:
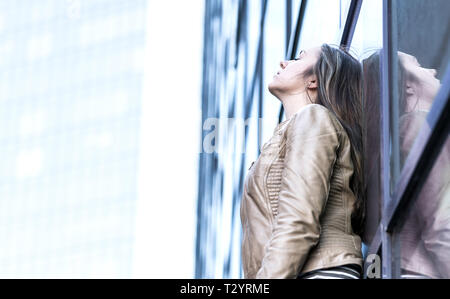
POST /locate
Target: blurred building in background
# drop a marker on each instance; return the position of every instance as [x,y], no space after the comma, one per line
[70,85]
[80,191]
[244,41]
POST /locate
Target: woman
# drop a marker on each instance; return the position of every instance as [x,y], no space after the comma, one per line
[303,207]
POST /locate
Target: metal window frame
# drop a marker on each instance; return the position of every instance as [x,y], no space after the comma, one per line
[388,66]
[350,23]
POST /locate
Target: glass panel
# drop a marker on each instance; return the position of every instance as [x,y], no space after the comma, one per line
[295,10]
[296,4]
[366,44]
[253,34]
[274,52]
[368,36]
[322,25]
[425,236]
[423,56]
[232,127]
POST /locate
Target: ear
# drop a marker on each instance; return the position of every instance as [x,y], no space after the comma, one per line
[312,84]
[410,91]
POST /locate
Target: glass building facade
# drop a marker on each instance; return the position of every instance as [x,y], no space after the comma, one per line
[404,50]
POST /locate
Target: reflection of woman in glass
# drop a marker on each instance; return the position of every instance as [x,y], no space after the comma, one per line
[420,84]
[425,236]
[302,206]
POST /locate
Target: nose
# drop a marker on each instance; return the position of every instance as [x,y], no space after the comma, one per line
[284,64]
[433,72]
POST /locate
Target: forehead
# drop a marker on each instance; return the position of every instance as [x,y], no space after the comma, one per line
[406,57]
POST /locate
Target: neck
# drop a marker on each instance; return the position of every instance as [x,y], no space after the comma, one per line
[418,105]
[293,103]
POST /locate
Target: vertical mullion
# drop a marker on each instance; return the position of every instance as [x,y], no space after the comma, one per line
[394,94]
[295,36]
[288,23]
[260,69]
[394,129]
[385,165]
[389,137]
[350,23]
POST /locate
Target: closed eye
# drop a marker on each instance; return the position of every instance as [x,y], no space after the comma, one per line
[300,55]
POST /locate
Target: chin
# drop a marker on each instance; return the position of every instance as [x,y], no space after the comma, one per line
[274,90]
[273,87]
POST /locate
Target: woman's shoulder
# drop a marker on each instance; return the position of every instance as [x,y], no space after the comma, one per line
[410,125]
[412,119]
[315,117]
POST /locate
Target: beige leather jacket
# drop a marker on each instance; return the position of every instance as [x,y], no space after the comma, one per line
[297,204]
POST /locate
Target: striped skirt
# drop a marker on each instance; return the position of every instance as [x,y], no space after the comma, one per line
[350,271]
[412,275]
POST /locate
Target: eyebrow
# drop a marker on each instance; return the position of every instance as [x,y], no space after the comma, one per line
[299,54]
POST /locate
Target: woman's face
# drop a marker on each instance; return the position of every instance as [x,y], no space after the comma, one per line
[291,79]
[422,82]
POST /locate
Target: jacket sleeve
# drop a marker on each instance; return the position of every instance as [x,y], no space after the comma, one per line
[311,146]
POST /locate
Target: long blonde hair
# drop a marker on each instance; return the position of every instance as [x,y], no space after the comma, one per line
[340,90]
